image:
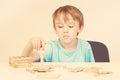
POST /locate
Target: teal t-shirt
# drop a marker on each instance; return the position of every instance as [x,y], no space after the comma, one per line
[54,52]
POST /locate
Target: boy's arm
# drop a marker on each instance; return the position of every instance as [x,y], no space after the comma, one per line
[28,52]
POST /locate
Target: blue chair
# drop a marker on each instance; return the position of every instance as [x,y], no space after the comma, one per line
[100,51]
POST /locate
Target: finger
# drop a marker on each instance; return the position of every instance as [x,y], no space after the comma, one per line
[38,44]
[35,43]
[43,44]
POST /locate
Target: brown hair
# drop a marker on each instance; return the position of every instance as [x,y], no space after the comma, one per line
[66,10]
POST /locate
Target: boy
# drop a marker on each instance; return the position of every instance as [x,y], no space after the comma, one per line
[68,23]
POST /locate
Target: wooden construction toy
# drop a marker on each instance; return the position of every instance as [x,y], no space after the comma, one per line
[20,61]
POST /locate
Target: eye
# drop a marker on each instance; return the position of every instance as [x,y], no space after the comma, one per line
[70,26]
[60,26]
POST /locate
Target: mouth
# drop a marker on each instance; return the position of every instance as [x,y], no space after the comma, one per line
[66,36]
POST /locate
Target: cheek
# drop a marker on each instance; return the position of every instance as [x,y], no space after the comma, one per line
[76,30]
[58,32]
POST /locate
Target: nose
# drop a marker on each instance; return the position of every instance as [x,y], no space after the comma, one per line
[65,29]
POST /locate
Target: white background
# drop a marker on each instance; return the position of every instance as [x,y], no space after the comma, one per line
[21,20]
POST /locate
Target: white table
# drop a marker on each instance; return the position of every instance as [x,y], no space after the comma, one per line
[9,73]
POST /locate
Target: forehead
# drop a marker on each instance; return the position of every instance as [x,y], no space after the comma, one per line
[64,18]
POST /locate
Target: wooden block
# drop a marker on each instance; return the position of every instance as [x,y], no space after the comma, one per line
[39,68]
[20,61]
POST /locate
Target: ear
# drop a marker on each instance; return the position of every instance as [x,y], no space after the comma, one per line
[80,29]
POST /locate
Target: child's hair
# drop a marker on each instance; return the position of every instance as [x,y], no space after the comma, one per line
[69,10]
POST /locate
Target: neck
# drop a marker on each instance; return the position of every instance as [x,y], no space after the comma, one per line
[71,45]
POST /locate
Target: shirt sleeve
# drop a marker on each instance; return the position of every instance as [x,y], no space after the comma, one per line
[90,56]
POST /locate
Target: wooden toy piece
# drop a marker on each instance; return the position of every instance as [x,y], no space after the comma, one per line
[76,69]
[20,61]
[39,68]
[95,70]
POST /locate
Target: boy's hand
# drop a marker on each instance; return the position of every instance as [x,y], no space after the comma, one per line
[37,43]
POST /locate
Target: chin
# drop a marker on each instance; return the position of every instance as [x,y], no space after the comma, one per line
[67,41]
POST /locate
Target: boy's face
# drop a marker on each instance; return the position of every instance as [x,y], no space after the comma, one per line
[67,30]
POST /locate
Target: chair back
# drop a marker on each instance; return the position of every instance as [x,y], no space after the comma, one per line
[100,51]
